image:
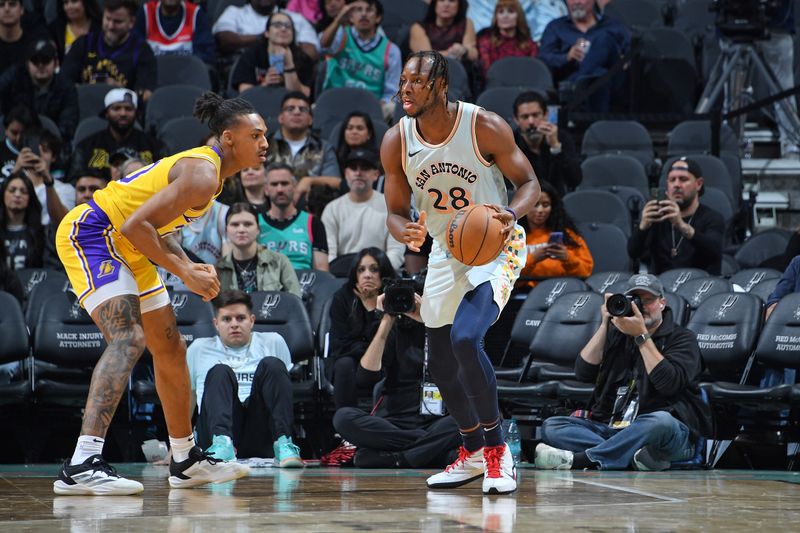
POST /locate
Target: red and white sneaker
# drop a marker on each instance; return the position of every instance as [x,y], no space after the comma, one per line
[466,468]
[501,473]
[342,455]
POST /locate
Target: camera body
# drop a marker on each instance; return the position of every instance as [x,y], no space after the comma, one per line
[622,304]
[744,20]
[399,293]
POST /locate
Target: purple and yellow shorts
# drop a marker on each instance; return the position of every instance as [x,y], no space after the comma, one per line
[102,264]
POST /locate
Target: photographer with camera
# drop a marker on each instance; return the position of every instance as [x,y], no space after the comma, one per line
[646,410]
[677,231]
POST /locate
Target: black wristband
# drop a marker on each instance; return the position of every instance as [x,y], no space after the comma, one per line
[289,70]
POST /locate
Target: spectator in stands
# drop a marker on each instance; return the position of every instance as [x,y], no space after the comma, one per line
[96,151]
[355,320]
[298,235]
[357,219]
[550,150]
[362,56]
[240,380]
[21,223]
[116,55]
[508,36]
[130,165]
[205,236]
[176,27]
[549,255]
[74,18]
[329,10]
[584,46]
[87,183]
[254,185]
[310,9]
[447,29]
[18,124]
[313,158]
[38,86]
[679,232]
[646,409]
[357,131]
[55,197]
[14,38]
[239,27]
[395,434]
[249,266]
[538,14]
[275,59]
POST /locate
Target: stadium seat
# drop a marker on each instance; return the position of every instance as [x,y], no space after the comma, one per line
[380,130]
[694,18]
[636,14]
[761,246]
[31,277]
[266,100]
[719,201]
[333,105]
[175,69]
[715,174]
[88,127]
[750,277]
[594,205]
[318,288]
[91,99]
[729,266]
[39,292]
[626,137]
[679,306]
[669,81]
[182,133]
[602,281]
[170,102]
[500,100]
[694,137]
[698,290]
[457,81]
[608,246]
[50,126]
[764,288]
[529,317]
[614,169]
[13,348]
[340,266]
[523,72]
[673,280]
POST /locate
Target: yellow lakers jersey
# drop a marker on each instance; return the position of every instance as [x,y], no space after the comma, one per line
[121,198]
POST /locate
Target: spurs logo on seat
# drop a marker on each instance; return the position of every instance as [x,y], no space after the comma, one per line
[271,301]
[729,302]
[577,304]
[556,291]
[680,280]
[609,281]
[35,279]
[704,287]
[754,279]
[307,279]
[178,302]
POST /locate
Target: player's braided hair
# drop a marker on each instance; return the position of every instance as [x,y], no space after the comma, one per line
[438,71]
[220,113]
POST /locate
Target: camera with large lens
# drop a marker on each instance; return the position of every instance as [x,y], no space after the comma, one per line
[399,293]
[744,20]
[622,304]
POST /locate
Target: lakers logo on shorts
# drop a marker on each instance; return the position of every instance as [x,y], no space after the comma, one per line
[106,268]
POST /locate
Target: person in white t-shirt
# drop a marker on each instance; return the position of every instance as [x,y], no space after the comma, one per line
[239,27]
[240,379]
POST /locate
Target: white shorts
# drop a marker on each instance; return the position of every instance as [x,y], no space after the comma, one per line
[448,279]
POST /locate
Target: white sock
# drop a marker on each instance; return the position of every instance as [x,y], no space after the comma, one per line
[180,447]
[86,447]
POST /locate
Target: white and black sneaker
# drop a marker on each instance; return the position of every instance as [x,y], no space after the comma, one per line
[201,468]
[93,477]
[466,468]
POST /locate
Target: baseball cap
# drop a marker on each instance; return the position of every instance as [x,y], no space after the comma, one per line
[364,155]
[120,96]
[645,282]
[690,165]
[42,50]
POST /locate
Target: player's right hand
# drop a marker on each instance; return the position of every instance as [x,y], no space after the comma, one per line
[201,279]
[415,232]
[650,214]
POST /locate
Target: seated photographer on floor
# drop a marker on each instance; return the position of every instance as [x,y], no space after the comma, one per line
[396,433]
[646,410]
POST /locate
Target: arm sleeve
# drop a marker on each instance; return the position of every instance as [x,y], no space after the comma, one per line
[289,281]
[331,230]
[392,77]
[203,40]
[344,342]
[226,21]
[550,50]
[318,237]
[787,283]
[680,366]
[707,238]
[336,43]
[584,371]
[330,165]
[638,241]
[395,250]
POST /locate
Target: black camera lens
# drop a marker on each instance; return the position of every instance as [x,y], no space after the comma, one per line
[622,304]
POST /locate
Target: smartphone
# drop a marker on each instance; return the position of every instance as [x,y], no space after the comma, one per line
[278,61]
[656,193]
[556,237]
[32,142]
[552,115]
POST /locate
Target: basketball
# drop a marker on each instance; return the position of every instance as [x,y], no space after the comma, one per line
[474,236]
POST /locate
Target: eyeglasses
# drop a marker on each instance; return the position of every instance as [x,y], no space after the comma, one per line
[280,25]
[11,3]
[299,108]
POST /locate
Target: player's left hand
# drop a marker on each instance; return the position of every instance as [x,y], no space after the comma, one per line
[504,216]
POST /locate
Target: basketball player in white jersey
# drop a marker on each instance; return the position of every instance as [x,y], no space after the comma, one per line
[451,155]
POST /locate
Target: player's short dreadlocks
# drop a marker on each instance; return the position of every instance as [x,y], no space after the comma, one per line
[438,71]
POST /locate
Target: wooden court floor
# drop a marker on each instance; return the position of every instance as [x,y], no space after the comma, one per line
[334,500]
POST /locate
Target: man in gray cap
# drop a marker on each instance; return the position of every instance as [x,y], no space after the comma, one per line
[678,231]
[646,410]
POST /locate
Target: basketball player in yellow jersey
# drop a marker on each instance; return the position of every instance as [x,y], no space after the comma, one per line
[451,155]
[107,247]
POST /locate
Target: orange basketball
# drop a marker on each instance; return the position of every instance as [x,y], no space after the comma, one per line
[474,237]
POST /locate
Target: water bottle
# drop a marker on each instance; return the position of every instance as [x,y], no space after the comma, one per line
[514,441]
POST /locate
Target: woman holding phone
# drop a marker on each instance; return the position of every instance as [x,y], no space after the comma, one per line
[555,247]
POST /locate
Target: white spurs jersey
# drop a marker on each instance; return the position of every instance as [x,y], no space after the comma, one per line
[452,175]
